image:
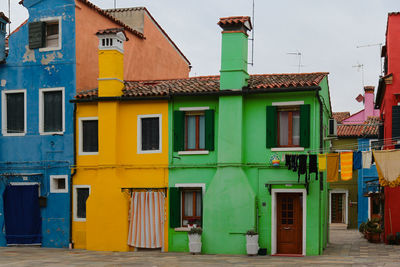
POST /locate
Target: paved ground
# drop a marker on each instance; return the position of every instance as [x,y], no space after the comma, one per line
[347,248]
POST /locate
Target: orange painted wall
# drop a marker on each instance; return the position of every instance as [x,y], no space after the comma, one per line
[145,59]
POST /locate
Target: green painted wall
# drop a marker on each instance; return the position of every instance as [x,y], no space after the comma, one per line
[351,186]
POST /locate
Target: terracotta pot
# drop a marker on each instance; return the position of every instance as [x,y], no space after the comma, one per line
[375,238]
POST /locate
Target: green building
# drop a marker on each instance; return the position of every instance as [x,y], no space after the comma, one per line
[224,132]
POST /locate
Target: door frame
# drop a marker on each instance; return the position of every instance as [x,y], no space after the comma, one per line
[346,204]
[274,216]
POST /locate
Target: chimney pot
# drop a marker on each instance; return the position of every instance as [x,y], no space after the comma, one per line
[369,89]
[234,24]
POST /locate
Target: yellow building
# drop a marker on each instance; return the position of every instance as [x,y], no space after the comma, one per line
[121,172]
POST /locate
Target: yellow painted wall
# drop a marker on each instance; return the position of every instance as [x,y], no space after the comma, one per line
[117,165]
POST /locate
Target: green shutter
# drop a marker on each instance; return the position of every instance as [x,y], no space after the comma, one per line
[179,130]
[209,124]
[305,125]
[37,35]
[174,207]
[271,127]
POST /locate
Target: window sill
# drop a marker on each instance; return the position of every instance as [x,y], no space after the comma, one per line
[88,153]
[284,149]
[50,48]
[149,151]
[51,133]
[17,134]
[195,152]
[182,229]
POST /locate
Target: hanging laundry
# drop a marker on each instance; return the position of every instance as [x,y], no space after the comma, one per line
[302,166]
[322,162]
[357,160]
[346,166]
[332,160]
[294,163]
[366,159]
[312,166]
[288,161]
[388,167]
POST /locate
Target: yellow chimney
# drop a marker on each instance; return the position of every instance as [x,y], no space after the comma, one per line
[111,62]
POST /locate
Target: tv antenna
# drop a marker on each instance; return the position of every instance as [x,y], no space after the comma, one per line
[360,67]
[9,17]
[252,38]
[371,45]
[115,3]
[299,54]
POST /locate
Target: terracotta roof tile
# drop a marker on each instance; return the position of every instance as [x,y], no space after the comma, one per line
[112,31]
[369,128]
[210,84]
[233,20]
[340,116]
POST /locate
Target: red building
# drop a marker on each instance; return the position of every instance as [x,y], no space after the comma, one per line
[388,101]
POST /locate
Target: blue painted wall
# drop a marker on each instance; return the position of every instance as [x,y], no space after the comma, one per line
[34,157]
[364,175]
[2,40]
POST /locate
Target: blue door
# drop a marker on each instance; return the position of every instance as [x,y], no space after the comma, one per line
[22,215]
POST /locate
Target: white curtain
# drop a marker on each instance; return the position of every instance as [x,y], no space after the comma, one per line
[146,224]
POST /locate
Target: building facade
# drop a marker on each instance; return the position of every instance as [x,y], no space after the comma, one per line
[51,56]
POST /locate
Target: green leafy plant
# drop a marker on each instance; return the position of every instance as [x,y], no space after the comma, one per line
[362,227]
[251,232]
[195,231]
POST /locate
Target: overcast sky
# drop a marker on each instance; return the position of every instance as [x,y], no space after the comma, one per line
[326,33]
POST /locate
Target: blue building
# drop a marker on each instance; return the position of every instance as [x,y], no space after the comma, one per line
[37,79]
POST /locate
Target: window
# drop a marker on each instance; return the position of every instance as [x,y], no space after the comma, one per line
[191,207]
[81,194]
[288,127]
[88,136]
[186,205]
[51,102]
[194,130]
[45,34]
[58,183]
[149,134]
[14,112]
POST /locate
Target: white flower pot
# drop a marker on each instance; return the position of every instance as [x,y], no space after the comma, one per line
[194,243]
[252,244]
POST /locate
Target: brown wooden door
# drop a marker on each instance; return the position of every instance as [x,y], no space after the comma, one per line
[289,223]
[375,206]
[337,213]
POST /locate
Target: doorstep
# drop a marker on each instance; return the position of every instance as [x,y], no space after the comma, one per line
[338,226]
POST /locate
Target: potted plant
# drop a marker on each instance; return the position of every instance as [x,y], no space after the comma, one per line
[252,242]
[374,230]
[195,240]
[362,228]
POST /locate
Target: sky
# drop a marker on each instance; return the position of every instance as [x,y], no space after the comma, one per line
[325,32]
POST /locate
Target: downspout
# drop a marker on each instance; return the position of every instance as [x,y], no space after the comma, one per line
[71,244]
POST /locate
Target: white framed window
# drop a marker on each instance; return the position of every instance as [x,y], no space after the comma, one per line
[149,134]
[81,194]
[53,34]
[58,183]
[13,112]
[51,110]
[88,136]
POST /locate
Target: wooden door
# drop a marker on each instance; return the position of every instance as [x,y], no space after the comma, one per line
[289,223]
[375,206]
[337,207]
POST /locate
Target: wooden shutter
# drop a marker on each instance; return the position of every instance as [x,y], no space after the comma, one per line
[179,130]
[15,112]
[305,125]
[271,127]
[174,207]
[209,123]
[396,122]
[52,109]
[37,35]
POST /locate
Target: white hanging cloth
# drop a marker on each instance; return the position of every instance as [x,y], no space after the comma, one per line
[146,224]
[366,159]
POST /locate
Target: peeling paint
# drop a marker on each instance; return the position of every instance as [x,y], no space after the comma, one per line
[47,59]
[29,55]
[59,55]
[3,84]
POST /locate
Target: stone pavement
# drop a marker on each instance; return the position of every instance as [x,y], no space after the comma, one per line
[347,248]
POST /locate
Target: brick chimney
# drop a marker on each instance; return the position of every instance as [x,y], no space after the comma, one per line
[111,62]
[3,23]
[234,52]
[368,101]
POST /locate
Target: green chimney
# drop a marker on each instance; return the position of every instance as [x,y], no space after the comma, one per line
[234,53]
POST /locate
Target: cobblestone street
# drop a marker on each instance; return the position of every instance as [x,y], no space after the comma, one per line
[347,247]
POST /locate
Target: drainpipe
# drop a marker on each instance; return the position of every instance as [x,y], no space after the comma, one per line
[71,244]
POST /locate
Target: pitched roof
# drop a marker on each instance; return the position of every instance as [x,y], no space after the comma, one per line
[370,128]
[210,84]
[105,14]
[340,116]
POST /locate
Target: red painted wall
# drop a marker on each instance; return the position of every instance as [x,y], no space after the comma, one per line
[144,59]
[392,195]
